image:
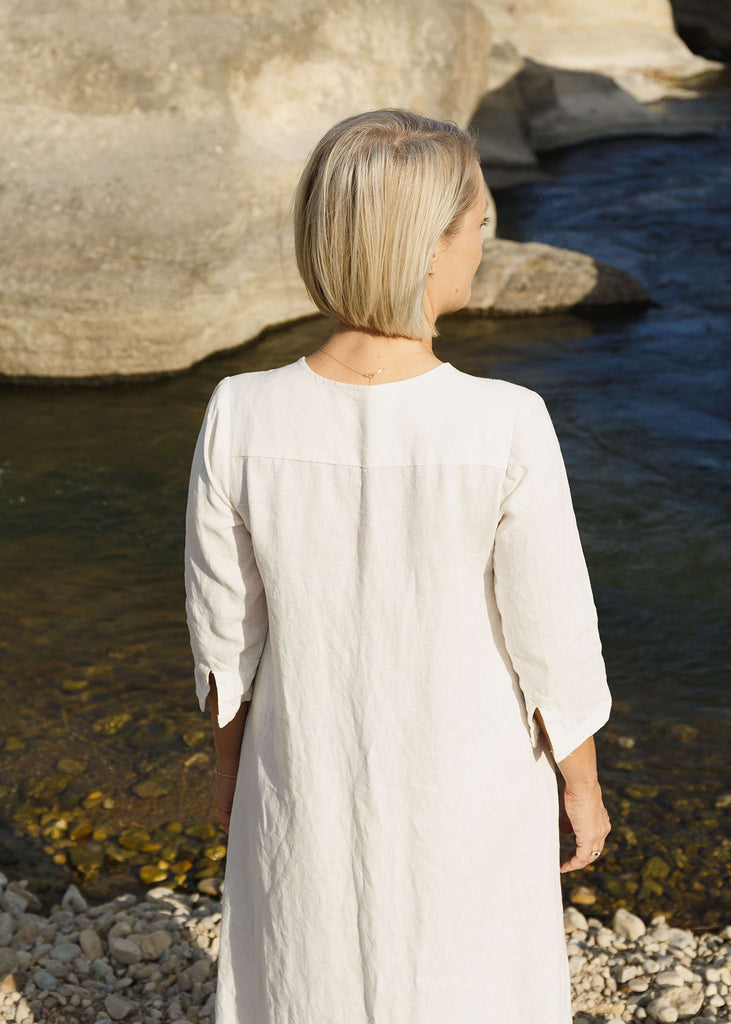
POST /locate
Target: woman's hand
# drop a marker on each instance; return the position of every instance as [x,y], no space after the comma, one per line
[583,813]
[227,740]
[223,797]
[582,808]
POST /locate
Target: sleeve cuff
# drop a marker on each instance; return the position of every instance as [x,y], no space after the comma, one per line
[229,687]
[567,732]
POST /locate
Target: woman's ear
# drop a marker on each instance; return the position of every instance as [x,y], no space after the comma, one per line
[440,247]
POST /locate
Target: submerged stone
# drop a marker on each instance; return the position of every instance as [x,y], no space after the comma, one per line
[155,786]
[151,873]
[113,723]
[133,838]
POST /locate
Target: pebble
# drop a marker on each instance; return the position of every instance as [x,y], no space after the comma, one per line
[627,925]
[153,960]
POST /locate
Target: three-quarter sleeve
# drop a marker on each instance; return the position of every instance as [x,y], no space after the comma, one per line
[543,590]
[225,600]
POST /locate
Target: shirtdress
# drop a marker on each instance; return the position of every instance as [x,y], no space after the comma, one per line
[393,575]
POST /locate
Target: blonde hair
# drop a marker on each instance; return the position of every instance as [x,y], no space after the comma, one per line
[378,192]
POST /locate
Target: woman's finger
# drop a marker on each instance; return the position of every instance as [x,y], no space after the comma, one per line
[223,795]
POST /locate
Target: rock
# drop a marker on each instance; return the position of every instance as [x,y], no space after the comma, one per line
[627,925]
[676,1004]
[70,766]
[13,982]
[634,43]
[150,153]
[153,945]
[115,721]
[27,931]
[45,981]
[200,971]
[91,944]
[209,887]
[8,962]
[502,122]
[583,896]
[32,903]
[542,108]
[531,278]
[638,985]
[574,920]
[668,979]
[154,786]
[152,873]
[13,903]
[65,951]
[683,731]
[124,950]
[117,1007]
[655,867]
[134,839]
[73,900]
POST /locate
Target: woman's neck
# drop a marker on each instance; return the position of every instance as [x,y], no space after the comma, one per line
[349,354]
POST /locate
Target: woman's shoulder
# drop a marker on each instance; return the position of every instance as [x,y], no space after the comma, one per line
[505,394]
[240,390]
[253,380]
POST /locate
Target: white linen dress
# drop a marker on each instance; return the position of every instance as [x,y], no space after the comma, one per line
[392,574]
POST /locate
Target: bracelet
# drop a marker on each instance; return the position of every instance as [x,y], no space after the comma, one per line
[225,775]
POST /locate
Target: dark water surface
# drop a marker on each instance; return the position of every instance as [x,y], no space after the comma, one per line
[106,759]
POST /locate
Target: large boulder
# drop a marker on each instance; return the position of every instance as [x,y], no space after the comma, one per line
[150,152]
[530,278]
[566,71]
[541,108]
[150,149]
[633,42]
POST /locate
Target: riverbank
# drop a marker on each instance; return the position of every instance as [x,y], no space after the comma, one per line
[153,960]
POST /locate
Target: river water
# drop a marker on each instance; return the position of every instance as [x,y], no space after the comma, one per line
[106,758]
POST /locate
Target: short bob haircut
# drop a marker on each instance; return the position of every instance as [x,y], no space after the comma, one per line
[378,192]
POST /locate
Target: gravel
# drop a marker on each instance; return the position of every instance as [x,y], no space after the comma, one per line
[153,961]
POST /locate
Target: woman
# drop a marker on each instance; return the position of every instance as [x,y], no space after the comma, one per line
[386,583]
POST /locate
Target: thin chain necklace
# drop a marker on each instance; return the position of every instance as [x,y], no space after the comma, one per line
[369,376]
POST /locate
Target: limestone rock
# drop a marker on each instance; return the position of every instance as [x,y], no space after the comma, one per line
[45,981]
[676,1004]
[66,952]
[73,900]
[150,153]
[531,278]
[542,108]
[153,945]
[117,1007]
[628,925]
[150,150]
[13,902]
[634,43]
[91,944]
[124,951]
[574,920]
[8,962]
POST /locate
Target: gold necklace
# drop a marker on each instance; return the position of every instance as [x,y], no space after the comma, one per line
[370,376]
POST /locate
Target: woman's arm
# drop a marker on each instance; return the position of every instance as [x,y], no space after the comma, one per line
[583,809]
[227,741]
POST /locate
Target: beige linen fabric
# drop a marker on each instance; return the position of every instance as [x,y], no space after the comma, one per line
[393,575]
